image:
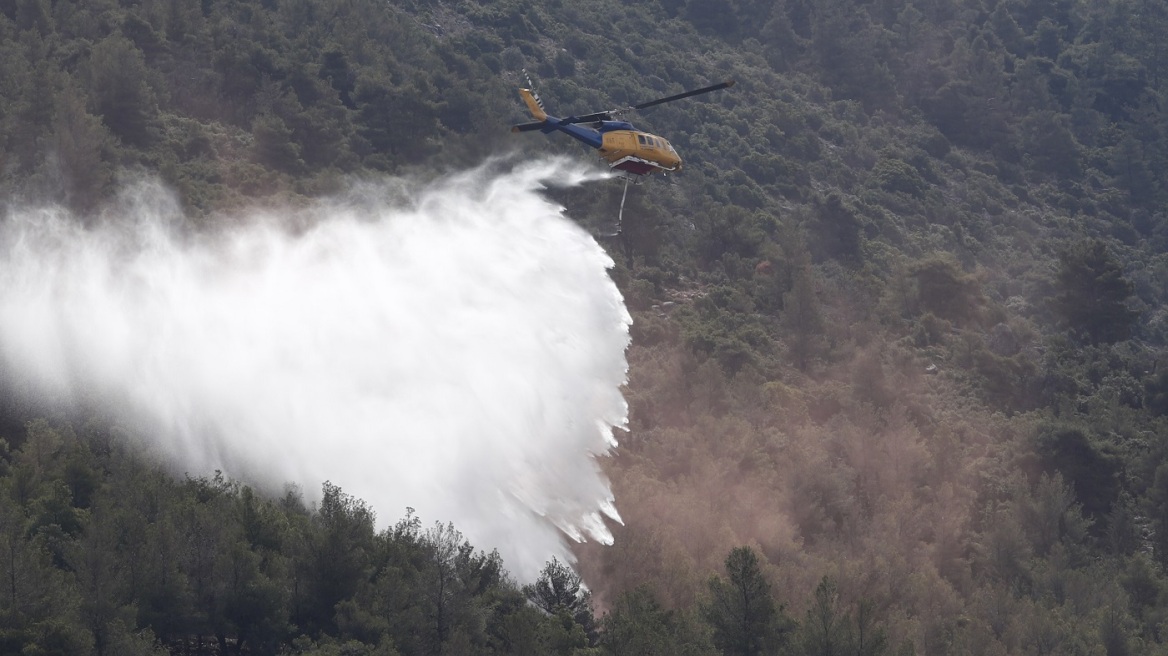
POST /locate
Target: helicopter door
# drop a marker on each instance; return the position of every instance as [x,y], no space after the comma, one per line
[618,142]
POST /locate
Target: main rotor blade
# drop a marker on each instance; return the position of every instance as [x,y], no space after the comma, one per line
[539,125]
[686,94]
[608,115]
[528,127]
[590,118]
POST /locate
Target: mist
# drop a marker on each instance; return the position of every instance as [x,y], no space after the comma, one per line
[455,346]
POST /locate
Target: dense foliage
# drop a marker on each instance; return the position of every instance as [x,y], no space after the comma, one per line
[899,328]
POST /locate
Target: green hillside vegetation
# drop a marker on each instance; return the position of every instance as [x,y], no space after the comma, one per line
[898,379]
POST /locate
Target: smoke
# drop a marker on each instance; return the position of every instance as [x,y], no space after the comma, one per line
[456,347]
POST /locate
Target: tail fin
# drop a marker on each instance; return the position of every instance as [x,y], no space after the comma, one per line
[534,104]
[531,97]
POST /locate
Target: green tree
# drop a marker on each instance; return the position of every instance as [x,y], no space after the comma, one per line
[274,144]
[943,289]
[40,607]
[1134,171]
[1087,467]
[452,578]
[637,625]
[802,318]
[514,626]
[836,232]
[1092,293]
[254,602]
[100,572]
[1156,505]
[80,141]
[340,557]
[1047,139]
[559,591]
[118,83]
[852,53]
[741,611]
[828,631]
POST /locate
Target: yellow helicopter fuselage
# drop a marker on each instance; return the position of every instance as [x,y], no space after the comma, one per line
[638,152]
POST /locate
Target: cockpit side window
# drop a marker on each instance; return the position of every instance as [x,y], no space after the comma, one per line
[641,139]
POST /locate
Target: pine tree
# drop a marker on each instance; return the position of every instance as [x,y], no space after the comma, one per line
[740,609]
[559,591]
[1092,294]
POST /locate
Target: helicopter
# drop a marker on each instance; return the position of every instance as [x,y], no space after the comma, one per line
[623,146]
[626,149]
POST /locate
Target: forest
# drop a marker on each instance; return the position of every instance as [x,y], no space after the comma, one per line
[894,384]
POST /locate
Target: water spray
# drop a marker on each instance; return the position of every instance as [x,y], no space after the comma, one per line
[456,347]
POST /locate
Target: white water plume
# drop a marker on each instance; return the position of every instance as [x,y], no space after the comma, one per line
[457,347]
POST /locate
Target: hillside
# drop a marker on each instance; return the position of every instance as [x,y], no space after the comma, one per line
[898,325]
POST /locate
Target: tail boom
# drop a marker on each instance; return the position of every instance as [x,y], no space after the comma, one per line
[548,124]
